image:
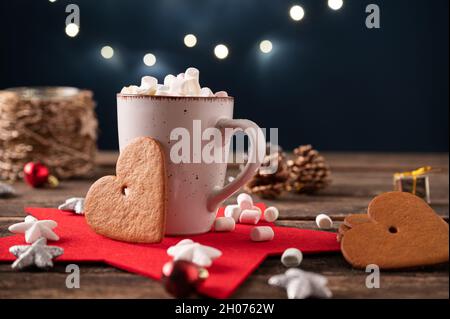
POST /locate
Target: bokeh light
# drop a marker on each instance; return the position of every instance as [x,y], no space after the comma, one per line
[297,13]
[221,51]
[265,46]
[107,52]
[149,59]
[190,40]
[72,30]
[335,4]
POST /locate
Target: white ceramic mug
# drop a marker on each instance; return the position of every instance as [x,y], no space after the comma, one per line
[195,190]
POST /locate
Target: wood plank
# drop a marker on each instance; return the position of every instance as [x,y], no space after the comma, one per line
[358,177]
[96,281]
[349,193]
[345,282]
[101,281]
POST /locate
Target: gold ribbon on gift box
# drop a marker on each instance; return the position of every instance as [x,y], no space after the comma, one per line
[414,174]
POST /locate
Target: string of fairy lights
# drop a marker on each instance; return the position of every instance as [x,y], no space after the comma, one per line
[221,50]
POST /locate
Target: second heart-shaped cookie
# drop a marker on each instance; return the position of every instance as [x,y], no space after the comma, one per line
[132,205]
[401,231]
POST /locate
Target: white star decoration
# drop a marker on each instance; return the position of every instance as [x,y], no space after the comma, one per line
[34,229]
[301,284]
[74,204]
[37,254]
[196,253]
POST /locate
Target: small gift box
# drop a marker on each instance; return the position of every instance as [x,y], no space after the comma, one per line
[415,182]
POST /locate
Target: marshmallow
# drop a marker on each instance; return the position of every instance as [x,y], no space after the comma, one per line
[250,216]
[292,257]
[221,94]
[192,73]
[190,87]
[245,201]
[176,86]
[168,80]
[162,90]
[271,214]
[233,211]
[224,224]
[125,90]
[132,89]
[206,92]
[258,209]
[262,233]
[324,221]
[184,84]
[146,91]
[149,82]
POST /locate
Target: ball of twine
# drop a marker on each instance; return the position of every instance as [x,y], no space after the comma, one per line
[56,126]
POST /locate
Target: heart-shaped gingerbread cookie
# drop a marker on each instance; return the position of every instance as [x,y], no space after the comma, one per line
[132,205]
[349,221]
[402,232]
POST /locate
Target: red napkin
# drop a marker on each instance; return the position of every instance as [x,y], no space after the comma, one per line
[240,256]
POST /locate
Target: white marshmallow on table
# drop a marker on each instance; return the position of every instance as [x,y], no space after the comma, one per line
[250,216]
[206,92]
[180,76]
[258,209]
[221,94]
[271,214]
[262,233]
[292,257]
[245,201]
[233,211]
[224,224]
[324,221]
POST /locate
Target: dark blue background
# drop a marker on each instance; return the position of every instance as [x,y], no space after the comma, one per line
[329,81]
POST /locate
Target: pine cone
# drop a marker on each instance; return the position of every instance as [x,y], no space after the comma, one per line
[308,172]
[266,183]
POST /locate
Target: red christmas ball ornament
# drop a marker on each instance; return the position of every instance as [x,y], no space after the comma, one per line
[181,278]
[38,175]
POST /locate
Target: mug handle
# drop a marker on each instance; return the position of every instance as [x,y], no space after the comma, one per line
[256,153]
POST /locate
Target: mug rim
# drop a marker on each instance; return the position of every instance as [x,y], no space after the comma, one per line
[175,97]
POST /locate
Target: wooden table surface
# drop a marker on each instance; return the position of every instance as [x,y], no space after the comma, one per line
[357,178]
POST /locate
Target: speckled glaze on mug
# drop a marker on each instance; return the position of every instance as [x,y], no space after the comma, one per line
[195,190]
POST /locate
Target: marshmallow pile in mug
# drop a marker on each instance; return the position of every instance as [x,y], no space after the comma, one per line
[184,84]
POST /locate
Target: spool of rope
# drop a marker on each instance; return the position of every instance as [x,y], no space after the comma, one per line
[56,126]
